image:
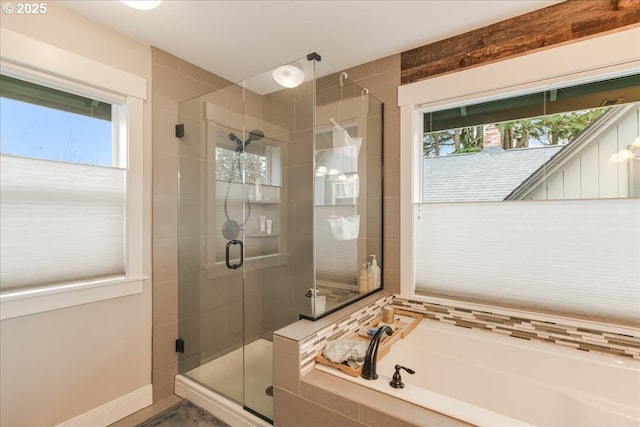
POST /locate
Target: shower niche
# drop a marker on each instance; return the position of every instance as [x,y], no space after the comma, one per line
[280,209]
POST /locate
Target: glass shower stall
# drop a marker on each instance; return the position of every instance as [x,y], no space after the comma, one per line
[280,212]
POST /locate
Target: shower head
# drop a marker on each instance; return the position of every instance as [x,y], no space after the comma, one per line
[254,135]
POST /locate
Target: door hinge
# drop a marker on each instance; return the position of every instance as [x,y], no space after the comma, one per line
[179,345]
[179,130]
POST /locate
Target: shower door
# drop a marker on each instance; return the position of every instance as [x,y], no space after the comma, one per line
[245,241]
[237,283]
[210,253]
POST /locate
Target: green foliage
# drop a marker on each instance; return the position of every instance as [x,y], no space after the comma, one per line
[553,129]
[471,149]
[454,141]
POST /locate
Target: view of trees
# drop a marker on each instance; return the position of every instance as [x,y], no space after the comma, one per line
[229,166]
[553,129]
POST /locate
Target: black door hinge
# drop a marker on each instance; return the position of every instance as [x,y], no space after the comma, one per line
[179,130]
[179,345]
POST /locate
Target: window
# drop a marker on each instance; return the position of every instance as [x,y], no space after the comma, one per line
[54,183]
[63,190]
[261,160]
[569,239]
[565,143]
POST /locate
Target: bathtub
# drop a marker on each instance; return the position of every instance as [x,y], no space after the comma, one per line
[488,379]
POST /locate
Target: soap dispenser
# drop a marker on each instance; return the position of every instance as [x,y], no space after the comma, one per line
[375,272]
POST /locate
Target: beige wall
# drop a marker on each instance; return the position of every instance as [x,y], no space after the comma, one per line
[57,365]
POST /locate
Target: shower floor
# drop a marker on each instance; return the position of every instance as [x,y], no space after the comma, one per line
[224,376]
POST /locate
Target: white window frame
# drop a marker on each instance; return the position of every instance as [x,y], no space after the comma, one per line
[608,56]
[39,62]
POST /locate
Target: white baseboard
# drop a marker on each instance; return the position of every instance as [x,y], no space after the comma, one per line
[115,410]
[223,408]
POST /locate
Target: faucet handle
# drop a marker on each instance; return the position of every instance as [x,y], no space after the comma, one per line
[396,381]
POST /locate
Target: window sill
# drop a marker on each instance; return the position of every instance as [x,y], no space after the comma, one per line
[22,303]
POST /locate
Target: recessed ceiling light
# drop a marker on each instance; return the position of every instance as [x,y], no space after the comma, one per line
[288,76]
[142,4]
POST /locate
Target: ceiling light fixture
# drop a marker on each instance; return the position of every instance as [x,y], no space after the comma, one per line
[288,76]
[142,4]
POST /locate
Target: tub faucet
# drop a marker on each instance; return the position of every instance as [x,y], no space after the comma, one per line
[369,368]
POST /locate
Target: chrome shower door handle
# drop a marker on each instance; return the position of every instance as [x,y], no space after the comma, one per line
[228,261]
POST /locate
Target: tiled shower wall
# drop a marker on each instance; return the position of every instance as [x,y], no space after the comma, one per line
[173,81]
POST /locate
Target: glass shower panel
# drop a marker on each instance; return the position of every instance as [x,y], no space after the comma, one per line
[211,214]
[348,192]
[279,233]
[257,246]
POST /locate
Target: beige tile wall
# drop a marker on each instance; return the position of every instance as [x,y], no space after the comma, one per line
[173,81]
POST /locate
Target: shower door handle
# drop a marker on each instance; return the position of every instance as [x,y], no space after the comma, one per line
[229,244]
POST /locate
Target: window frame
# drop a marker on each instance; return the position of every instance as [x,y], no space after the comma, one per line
[30,59]
[575,63]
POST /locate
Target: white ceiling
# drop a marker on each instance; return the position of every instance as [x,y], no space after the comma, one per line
[240,39]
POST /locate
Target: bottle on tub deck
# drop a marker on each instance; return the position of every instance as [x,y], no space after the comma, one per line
[374,274]
[363,280]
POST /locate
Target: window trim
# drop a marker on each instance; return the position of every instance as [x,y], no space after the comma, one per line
[31,59]
[574,63]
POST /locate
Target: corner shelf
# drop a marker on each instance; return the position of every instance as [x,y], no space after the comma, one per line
[261,235]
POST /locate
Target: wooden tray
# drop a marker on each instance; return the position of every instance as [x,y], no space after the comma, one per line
[403,328]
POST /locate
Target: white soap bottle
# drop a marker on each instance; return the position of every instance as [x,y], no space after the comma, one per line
[375,272]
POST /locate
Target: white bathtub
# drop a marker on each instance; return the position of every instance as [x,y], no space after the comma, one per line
[488,379]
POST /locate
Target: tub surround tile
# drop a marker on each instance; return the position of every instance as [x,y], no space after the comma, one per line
[306,396]
[286,373]
[293,410]
[313,344]
[355,401]
[303,330]
[585,339]
[319,395]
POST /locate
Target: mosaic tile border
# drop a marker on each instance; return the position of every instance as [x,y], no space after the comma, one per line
[584,339]
[313,344]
